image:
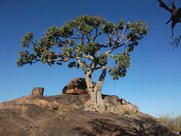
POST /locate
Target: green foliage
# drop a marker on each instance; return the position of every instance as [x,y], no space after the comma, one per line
[120,25]
[91,21]
[25,58]
[122,62]
[26,39]
[102,59]
[138,29]
[108,27]
[88,42]
[90,48]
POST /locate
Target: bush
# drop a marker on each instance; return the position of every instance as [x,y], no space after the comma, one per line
[173,124]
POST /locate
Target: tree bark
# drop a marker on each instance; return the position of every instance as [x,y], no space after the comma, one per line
[95,90]
[90,86]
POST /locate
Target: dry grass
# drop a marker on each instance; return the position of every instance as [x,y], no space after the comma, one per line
[172,123]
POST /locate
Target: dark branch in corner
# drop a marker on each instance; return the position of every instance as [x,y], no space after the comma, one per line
[175,14]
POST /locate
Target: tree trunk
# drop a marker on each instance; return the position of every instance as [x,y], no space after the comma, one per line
[95,90]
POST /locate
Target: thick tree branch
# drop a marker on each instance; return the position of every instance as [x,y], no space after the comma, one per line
[103,74]
[117,42]
[101,79]
[82,66]
[163,5]
[89,57]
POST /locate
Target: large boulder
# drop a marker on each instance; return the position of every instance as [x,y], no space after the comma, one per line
[75,86]
[37,91]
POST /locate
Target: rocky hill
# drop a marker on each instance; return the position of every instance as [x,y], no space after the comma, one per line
[66,115]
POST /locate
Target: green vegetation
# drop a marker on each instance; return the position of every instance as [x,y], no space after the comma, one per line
[89,43]
[173,123]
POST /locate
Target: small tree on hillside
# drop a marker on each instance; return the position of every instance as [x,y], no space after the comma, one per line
[88,43]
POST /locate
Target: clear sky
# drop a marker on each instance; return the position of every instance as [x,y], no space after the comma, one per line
[153,81]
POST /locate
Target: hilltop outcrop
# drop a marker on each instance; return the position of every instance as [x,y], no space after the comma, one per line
[65,115]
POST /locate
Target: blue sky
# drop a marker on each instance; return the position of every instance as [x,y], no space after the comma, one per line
[153,81]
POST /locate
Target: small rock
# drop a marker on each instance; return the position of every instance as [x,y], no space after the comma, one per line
[37,91]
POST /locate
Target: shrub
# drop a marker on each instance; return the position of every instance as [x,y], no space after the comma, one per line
[173,124]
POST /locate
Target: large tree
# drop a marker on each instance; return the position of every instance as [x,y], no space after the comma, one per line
[89,43]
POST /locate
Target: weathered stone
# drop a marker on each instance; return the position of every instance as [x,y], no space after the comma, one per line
[42,116]
[119,106]
[112,99]
[37,91]
[123,101]
[128,107]
[75,86]
[76,91]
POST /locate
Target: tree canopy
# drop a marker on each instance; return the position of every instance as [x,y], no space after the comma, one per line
[88,42]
